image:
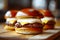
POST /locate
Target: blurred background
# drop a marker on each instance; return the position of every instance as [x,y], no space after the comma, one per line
[53,5]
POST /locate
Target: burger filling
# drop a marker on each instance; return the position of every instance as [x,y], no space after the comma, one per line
[48,20]
[29,23]
[9,24]
[11,21]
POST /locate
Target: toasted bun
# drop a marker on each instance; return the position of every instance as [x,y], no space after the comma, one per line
[31,12]
[10,13]
[46,13]
[9,27]
[49,25]
[25,30]
[13,13]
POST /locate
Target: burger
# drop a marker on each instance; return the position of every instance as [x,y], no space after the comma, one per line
[10,19]
[49,23]
[29,22]
[48,20]
[10,23]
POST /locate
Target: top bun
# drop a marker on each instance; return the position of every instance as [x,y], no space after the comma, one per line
[13,13]
[46,13]
[32,12]
[10,14]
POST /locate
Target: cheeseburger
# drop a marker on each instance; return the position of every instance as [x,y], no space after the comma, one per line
[10,23]
[10,19]
[48,20]
[29,22]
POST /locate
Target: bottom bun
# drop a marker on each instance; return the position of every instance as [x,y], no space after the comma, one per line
[9,27]
[49,26]
[28,30]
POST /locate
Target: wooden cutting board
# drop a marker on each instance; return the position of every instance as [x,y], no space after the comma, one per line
[12,35]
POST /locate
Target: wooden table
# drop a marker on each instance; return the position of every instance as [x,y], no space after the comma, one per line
[46,35]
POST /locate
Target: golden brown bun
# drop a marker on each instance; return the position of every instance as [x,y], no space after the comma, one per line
[32,12]
[7,17]
[25,30]
[46,13]
[9,27]
[13,14]
[24,17]
[50,25]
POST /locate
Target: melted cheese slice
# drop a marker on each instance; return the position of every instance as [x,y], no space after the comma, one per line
[30,20]
[46,19]
[11,20]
